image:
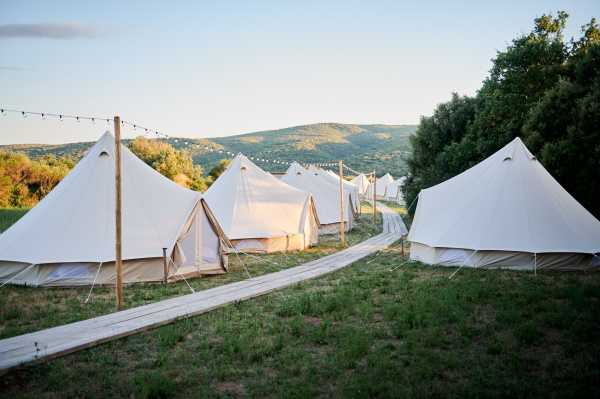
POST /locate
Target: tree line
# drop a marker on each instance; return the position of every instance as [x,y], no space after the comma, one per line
[541,88]
[25,181]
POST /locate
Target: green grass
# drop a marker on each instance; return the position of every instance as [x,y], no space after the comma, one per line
[384,327]
[8,216]
[27,309]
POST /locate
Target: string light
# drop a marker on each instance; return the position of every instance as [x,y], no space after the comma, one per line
[135,126]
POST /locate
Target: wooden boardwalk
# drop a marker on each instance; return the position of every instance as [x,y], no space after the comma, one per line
[61,340]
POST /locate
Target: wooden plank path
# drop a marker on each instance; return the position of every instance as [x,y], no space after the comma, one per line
[58,341]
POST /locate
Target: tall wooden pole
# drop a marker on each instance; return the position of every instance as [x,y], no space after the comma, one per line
[374,197]
[165,266]
[342,232]
[118,254]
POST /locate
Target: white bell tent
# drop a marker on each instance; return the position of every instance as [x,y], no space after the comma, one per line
[362,183]
[381,186]
[393,191]
[69,237]
[260,213]
[326,195]
[506,211]
[349,188]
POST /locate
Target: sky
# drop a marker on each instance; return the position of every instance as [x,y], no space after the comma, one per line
[206,69]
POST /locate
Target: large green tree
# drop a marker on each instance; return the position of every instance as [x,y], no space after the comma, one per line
[24,182]
[175,164]
[541,88]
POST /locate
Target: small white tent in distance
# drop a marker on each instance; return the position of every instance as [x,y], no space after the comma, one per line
[69,237]
[362,183]
[260,213]
[393,191]
[381,186]
[326,195]
[506,211]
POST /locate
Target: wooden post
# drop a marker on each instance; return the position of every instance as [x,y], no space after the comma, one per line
[118,254]
[165,266]
[374,197]
[342,232]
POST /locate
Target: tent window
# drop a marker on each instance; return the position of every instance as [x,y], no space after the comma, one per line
[103,154]
[243,168]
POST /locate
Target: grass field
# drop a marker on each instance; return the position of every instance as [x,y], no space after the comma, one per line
[27,309]
[384,327]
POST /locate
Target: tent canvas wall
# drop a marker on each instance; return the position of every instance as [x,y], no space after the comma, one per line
[506,211]
[69,237]
[260,213]
[326,195]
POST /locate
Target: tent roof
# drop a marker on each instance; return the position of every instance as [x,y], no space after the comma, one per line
[325,193]
[251,203]
[508,202]
[75,222]
[385,180]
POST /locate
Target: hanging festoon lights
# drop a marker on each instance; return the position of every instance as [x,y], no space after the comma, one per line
[136,127]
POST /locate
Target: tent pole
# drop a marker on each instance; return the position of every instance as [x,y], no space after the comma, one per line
[118,254]
[165,267]
[374,197]
[342,236]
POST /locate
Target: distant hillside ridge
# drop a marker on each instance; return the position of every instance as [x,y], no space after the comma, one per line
[362,147]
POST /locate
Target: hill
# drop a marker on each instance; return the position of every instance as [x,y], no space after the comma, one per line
[363,147]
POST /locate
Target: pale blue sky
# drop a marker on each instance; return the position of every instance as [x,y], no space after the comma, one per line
[202,69]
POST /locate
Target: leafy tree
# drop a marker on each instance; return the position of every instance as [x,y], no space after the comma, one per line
[24,182]
[564,128]
[540,88]
[175,164]
[216,171]
[435,156]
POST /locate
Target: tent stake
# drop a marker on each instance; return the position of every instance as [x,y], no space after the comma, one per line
[342,235]
[118,255]
[165,267]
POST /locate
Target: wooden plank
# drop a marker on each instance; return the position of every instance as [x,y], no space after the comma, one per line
[58,341]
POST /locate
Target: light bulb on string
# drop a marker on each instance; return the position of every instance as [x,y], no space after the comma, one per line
[77,119]
[43,116]
[60,118]
[24,114]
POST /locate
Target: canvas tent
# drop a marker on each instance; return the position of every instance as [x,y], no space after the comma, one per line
[260,213]
[326,195]
[506,211]
[393,191]
[69,237]
[381,186]
[349,188]
[361,182]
